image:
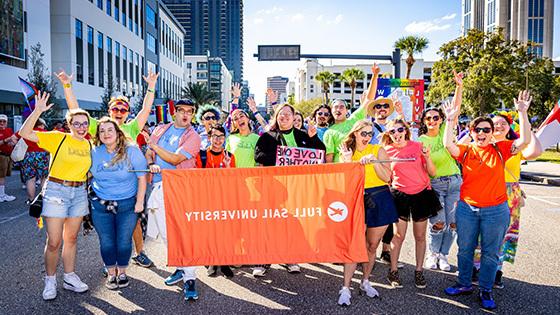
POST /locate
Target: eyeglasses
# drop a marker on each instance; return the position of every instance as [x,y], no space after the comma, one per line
[399,130]
[218,137]
[78,125]
[286,114]
[379,106]
[326,114]
[207,118]
[119,110]
[184,111]
[433,118]
[484,129]
[366,134]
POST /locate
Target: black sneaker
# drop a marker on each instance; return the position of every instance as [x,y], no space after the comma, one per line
[498,282]
[123,280]
[385,257]
[212,271]
[143,260]
[419,280]
[112,283]
[226,270]
[394,279]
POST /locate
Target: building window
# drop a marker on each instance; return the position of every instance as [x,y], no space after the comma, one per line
[101,76]
[151,43]
[150,16]
[131,68]
[91,70]
[201,66]
[117,66]
[117,12]
[109,7]
[100,4]
[130,15]
[123,10]
[124,67]
[109,60]
[79,52]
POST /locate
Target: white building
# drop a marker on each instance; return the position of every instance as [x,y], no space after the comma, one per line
[171,35]
[307,87]
[210,71]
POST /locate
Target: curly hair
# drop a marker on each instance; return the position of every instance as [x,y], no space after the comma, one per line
[330,121]
[122,141]
[423,129]
[205,109]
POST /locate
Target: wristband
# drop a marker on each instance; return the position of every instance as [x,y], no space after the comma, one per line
[67,85]
[256,113]
[150,90]
[150,164]
[274,103]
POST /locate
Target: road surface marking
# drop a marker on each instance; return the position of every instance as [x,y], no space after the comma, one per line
[8,219]
[545,201]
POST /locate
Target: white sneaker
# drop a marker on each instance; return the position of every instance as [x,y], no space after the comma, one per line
[293,268]
[432,261]
[73,283]
[49,292]
[443,263]
[259,271]
[24,187]
[344,297]
[7,198]
[366,287]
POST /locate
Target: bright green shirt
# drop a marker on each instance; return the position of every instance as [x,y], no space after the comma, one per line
[130,129]
[336,133]
[445,164]
[243,148]
[290,140]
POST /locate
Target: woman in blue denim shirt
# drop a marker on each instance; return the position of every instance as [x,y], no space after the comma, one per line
[119,197]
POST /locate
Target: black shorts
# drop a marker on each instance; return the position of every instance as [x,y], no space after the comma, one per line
[420,206]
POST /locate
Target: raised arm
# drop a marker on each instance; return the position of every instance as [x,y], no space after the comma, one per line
[41,106]
[373,84]
[458,97]
[143,115]
[66,81]
[522,104]
[451,113]
[253,107]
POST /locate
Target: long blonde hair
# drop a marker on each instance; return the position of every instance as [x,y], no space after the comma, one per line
[122,141]
[386,138]
[273,124]
[350,140]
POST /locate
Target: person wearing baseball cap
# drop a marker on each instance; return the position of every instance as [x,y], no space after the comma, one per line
[7,142]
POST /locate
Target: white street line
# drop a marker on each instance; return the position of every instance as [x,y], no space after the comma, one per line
[545,201]
[12,218]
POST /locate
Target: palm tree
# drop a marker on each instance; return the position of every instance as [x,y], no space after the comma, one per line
[326,78]
[411,44]
[199,94]
[351,76]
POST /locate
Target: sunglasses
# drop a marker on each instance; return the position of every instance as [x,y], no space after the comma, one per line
[78,125]
[207,118]
[219,137]
[399,130]
[433,118]
[326,114]
[366,134]
[484,129]
[119,110]
[184,111]
[380,106]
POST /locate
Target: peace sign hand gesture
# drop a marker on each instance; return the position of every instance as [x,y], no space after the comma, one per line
[227,159]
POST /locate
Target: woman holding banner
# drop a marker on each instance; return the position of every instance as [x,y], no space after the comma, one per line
[378,202]
[413,194]
[283,133]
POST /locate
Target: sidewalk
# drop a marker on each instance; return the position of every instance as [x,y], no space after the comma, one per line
[542,172]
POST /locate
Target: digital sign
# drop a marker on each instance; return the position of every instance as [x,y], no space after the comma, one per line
[279,52]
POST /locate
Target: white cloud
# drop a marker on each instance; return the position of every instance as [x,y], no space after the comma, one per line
[298,17]
[449,16]
[258,21]
[338,19]
[272,10]
[425,27]
[319,18]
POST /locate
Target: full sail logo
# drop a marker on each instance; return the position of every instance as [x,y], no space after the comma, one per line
[337,211]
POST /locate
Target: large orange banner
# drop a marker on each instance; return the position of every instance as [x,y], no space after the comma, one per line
[265,215]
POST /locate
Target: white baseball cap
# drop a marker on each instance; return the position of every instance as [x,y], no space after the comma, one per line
[3,117]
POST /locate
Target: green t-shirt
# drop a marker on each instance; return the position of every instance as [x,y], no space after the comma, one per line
[130,129]
[290,140]
[336,133]
[445,164]
[243,148]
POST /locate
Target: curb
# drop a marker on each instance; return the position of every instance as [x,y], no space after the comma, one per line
[540,179]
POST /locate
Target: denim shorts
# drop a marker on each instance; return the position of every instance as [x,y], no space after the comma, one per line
[380,207]
[61,201]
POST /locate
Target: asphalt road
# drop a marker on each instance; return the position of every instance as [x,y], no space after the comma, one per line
[532,284]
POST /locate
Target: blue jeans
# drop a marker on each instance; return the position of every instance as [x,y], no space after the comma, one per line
[448,189]
[488,223]
[115,231]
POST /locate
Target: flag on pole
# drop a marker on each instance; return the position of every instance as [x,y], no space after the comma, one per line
[160,114]
[29,91]
[549,131]
[171,107]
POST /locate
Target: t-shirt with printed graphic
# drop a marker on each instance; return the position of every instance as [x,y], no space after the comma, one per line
[410,177]
[115,182]
[170,142]
[131,129]
[444,162]
[337,132]
[73,160]
[243,147]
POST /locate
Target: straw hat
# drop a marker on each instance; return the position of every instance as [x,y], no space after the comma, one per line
[380,100]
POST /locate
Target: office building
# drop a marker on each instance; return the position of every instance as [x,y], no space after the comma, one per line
[171,35]
[523,20]
[212,72]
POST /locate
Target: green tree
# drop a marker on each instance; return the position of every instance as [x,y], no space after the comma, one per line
[307,107]
[39,75]
[325,78]
[495,70]
[351,76]
[199,94]
[411,45]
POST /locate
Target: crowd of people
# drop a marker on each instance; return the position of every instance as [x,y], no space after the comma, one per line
[455,190]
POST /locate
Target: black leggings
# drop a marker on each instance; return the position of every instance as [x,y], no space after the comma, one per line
[388,236]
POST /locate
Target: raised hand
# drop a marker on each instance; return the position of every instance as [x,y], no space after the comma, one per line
[523,101]
[458,78]
[363,97]
[375,69]
[227,159]
[311,130]
[397,104]
[236,90]
[345,153]
[451,112]
[271,95]
[252,104]
[41,100]
[152,77]
[63,77]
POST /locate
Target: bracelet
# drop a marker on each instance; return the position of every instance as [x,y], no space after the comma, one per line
[67,85]
[150,164]
[274,103]
[256,113]
[150,90]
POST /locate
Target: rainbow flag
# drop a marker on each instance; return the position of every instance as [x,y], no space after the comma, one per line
[171,107]
[161,114]
[29,91]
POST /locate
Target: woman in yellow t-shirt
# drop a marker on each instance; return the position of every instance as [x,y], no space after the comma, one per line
[65,197]
[378,201]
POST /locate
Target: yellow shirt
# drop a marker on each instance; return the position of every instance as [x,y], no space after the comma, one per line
[514,167]
[372,180]
[73,160]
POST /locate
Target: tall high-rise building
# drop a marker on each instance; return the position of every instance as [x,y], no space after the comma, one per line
[214,26]
[278,84]
[523,20]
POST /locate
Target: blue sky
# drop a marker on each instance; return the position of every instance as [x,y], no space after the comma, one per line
[349,27]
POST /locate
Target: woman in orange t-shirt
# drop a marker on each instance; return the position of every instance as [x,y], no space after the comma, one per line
[482,210]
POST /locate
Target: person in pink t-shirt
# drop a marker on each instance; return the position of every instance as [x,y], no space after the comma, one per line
[413,195]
